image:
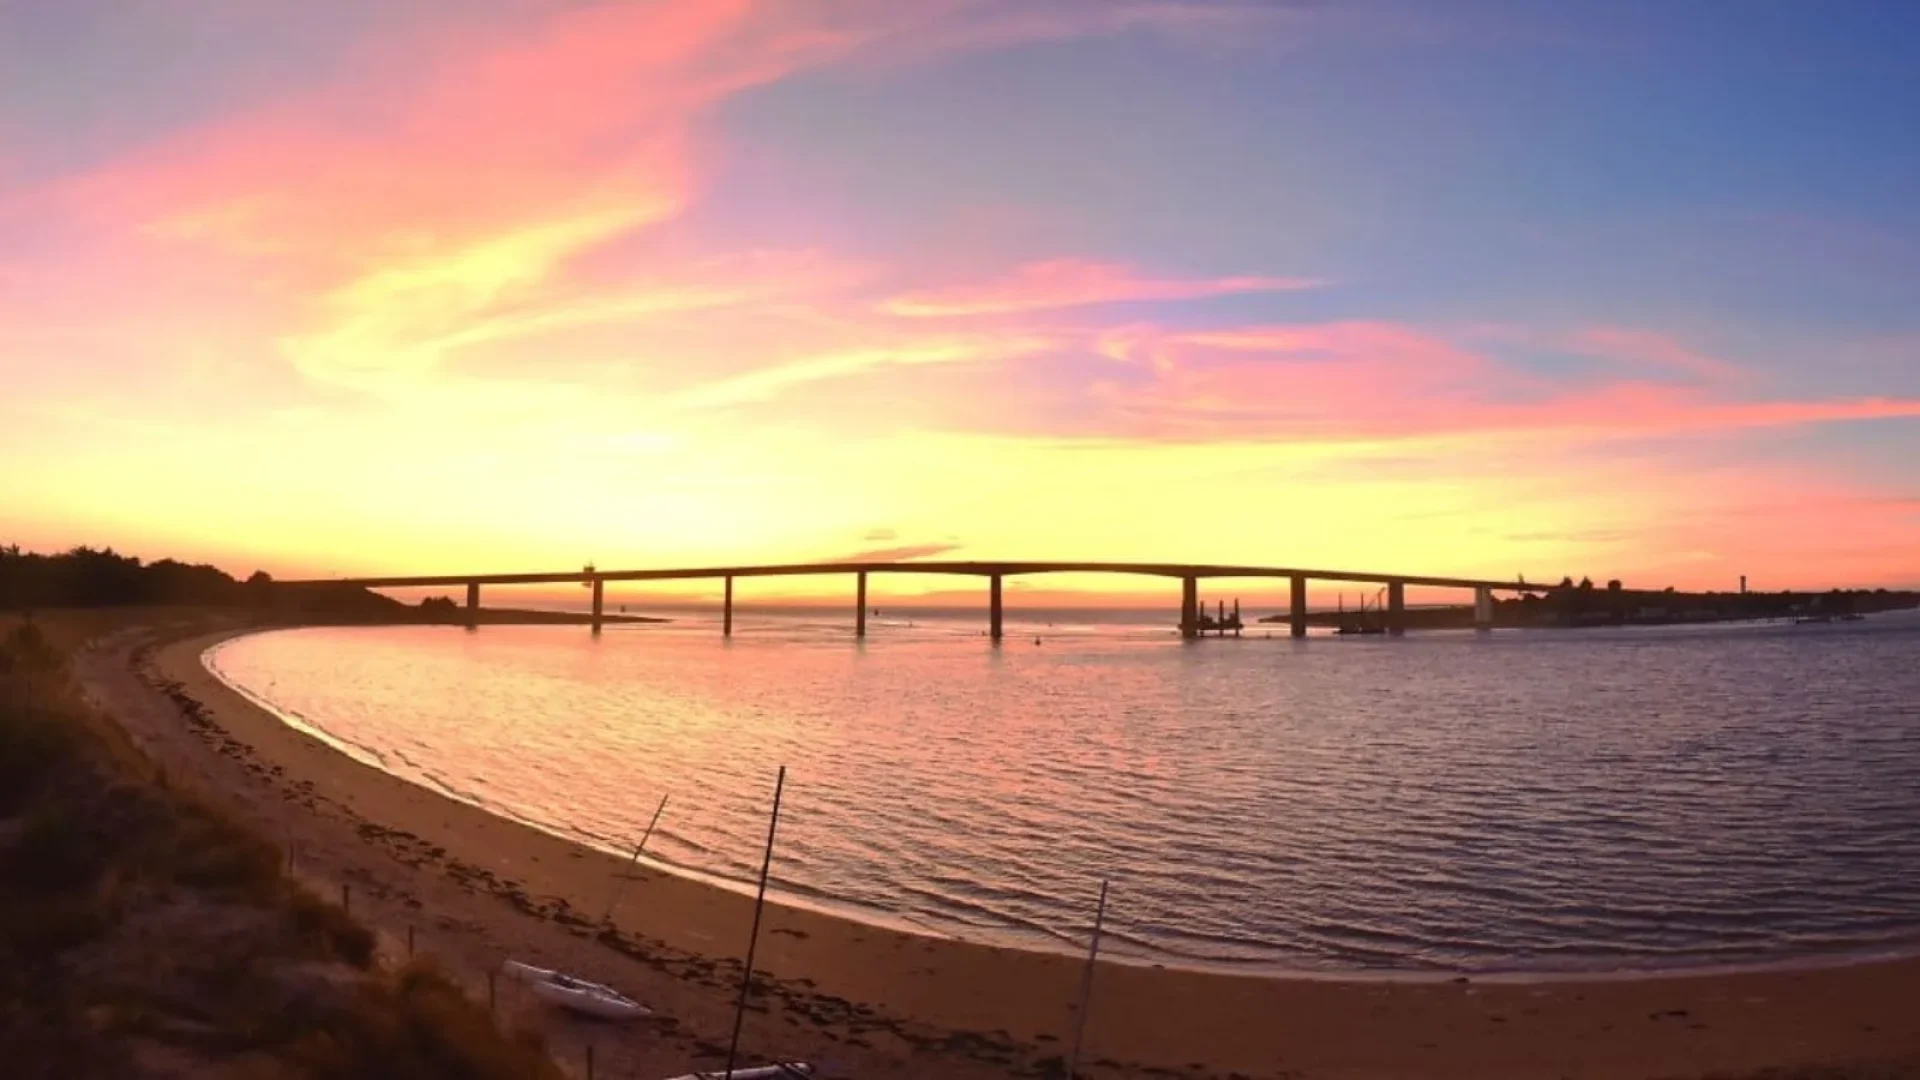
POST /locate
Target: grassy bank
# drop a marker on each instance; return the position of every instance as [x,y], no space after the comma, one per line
[142,933]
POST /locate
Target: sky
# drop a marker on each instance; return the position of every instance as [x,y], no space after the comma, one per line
[1620,289]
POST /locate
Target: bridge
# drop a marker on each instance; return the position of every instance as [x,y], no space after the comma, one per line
[1189,575]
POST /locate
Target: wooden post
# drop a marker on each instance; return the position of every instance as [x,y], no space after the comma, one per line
[607,917]
[753,938]
[1086,985]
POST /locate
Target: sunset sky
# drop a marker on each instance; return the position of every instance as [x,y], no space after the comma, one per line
[1614,288]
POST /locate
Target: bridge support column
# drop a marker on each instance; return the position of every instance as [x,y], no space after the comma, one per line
[473,604]
[860,602]
[994,609]
[1189,607]
[1297,606]
[1396,608]
[726,610]
[599,602]
[1483,609]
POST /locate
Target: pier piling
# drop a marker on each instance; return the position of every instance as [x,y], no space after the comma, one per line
[473,604]
[1189,607]
[726,610]
[599,603]
[1297,606]
[1396,608]
[994,610]
[1483,609]
[860,605]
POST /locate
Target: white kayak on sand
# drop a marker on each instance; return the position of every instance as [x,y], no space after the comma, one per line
[783,1070]
[594,999]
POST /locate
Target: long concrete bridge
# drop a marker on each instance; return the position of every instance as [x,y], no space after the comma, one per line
[1189,575]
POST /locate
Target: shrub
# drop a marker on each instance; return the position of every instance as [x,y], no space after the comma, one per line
[328,932]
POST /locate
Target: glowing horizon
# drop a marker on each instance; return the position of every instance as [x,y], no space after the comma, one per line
[523,285]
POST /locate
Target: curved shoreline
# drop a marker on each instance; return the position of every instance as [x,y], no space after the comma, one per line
[999,1004]
[827,906]
[1056,945]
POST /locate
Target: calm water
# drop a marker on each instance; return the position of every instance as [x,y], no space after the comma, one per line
[1520,801]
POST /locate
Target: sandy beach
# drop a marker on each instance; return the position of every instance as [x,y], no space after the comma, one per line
[474,889]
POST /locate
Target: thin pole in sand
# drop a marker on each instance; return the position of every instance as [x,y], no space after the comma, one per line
[1086,985]
[753,939]
[635,861]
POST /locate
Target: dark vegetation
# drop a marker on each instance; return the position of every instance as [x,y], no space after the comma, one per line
[90,578]
[144,934]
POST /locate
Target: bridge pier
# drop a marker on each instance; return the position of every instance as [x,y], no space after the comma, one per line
[599,602]
[473,604]
[1297,606]
[1483,609]
[1189,607]
[1396,608]
[995,611]
[726,610]
[860,602]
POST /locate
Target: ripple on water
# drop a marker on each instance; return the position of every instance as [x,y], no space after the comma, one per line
[1534,801]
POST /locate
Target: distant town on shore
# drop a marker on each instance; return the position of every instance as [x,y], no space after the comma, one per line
[1582,604]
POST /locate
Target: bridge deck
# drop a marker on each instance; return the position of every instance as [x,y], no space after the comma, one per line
[969,568]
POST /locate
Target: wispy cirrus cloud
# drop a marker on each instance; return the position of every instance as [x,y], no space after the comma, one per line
[1647,348]
[1071,282]
[763,383]
[900,553]
[1371,380]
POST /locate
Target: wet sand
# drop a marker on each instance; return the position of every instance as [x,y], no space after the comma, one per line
[875,1002]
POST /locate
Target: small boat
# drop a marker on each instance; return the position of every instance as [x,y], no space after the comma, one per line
[594,999]
[781,1070]
[527,973]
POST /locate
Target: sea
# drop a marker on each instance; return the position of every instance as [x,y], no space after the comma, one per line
[1524,801]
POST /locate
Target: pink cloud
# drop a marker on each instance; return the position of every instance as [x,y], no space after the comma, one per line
[584,111]
[1068,282]
[1649,349]
[1376,380]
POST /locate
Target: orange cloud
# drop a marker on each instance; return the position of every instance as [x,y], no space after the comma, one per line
[1059,283]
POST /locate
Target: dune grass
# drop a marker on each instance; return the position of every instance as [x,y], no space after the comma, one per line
[143,933]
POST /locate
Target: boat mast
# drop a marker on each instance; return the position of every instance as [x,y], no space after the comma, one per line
[753,938]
